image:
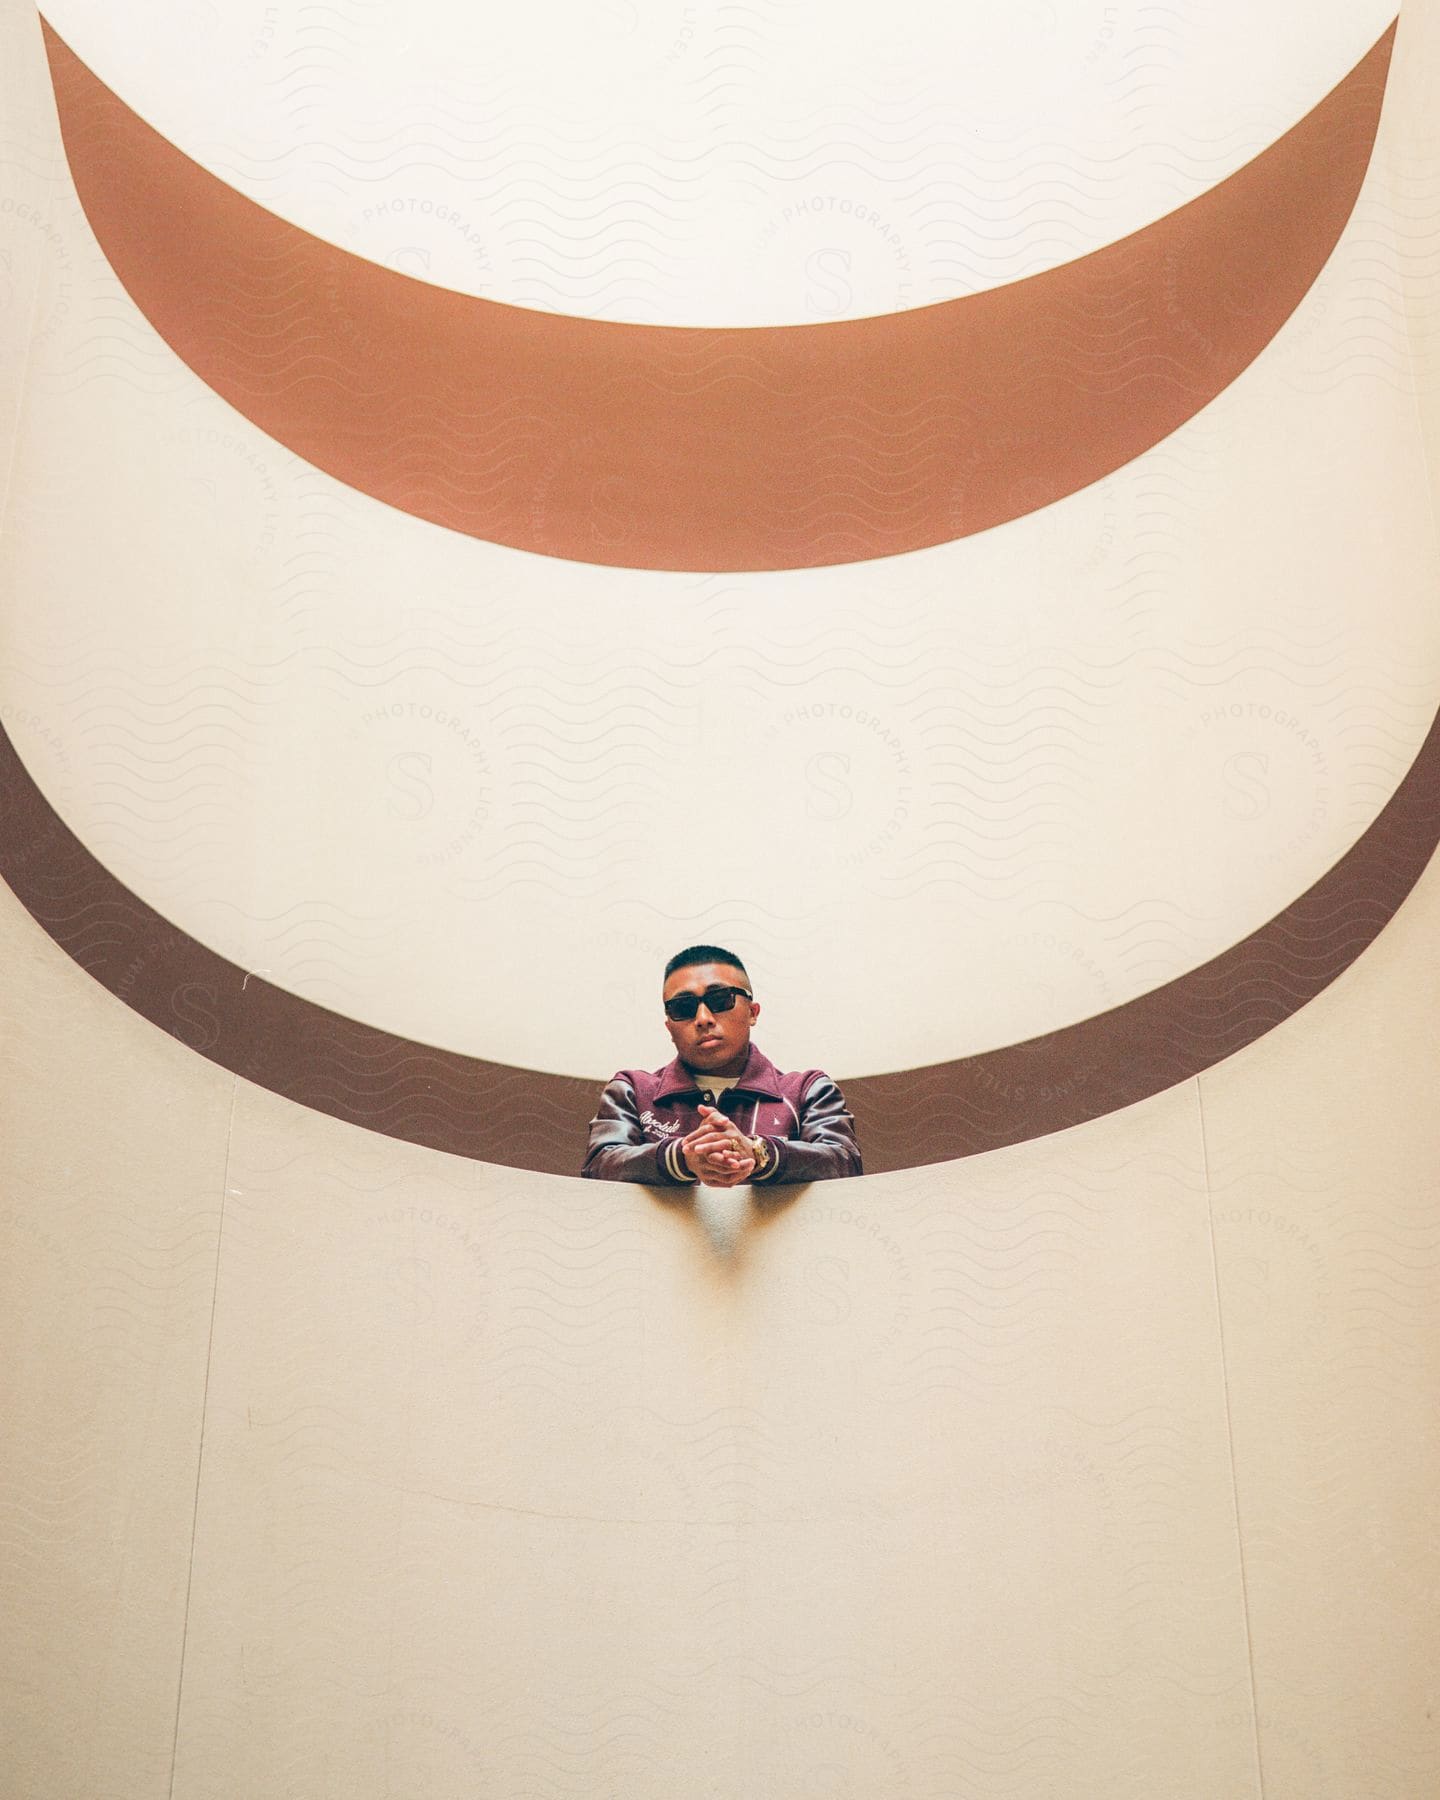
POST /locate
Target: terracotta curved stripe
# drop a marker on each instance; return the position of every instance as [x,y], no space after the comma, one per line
[661,447]
[525,1120]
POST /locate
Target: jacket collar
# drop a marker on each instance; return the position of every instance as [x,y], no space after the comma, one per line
[759,1076]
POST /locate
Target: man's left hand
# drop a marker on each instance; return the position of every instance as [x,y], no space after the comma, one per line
[717,1150]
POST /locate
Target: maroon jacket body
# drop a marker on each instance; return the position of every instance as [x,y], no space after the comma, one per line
[643,1112]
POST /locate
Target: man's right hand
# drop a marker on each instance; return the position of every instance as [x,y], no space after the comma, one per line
[713,1158]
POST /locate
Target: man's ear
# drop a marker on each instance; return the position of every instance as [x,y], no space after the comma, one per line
[754,1011]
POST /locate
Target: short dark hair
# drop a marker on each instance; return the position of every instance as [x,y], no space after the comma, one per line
[702,953]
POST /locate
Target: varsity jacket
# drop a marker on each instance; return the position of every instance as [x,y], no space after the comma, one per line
[643,1114]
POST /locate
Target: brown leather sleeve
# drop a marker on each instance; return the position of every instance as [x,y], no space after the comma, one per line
[618,1149]
[827,1146]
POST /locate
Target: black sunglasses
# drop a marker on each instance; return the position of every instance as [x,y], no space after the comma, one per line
[718,999]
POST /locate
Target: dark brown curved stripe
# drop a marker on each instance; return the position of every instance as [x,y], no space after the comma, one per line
[515,1117]
[667,448]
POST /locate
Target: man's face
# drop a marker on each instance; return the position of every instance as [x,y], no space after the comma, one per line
[714,1043]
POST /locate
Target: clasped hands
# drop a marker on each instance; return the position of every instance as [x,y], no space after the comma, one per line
[717,1152]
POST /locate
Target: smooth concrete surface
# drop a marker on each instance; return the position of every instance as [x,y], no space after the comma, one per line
[1097,1466]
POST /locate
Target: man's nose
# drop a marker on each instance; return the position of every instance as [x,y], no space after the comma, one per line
[703,1015]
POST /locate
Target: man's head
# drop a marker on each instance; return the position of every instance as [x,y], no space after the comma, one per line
[713,1041]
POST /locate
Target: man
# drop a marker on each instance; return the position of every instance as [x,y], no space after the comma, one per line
[721,1113]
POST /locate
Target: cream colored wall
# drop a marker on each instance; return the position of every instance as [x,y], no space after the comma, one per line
[436,784]
[1098,1467]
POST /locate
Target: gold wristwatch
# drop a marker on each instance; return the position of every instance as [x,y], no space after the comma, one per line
[763,1154]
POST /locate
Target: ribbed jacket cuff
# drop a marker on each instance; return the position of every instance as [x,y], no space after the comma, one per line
[671,1166]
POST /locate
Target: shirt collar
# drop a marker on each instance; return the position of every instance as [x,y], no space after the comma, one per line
[759,1076]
